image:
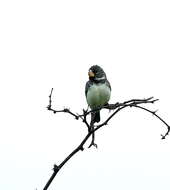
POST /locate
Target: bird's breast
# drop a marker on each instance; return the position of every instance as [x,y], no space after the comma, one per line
[98,95]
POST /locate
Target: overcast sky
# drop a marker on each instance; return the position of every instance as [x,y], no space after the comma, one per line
[45,44]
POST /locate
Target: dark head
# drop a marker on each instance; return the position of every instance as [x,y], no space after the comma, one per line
[96,73]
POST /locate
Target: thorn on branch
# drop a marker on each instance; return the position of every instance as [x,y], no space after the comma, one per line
[154,112]
[81,148]
[76,117]
[56,168]
[49,107]
[163,136]
[66,110]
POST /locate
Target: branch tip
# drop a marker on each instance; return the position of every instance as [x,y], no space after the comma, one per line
[51,91]
[153,101]
[149,98]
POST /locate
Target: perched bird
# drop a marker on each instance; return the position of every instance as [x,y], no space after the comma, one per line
[97,90]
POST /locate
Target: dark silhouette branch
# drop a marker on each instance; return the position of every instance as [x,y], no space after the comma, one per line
[117,107]
[66,110]
[154,113]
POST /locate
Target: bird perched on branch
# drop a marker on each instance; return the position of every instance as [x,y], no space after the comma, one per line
[97,90]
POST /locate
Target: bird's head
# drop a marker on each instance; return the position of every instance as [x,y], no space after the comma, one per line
[96,73]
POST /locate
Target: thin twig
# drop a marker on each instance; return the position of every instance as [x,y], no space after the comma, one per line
[163,121]
[66,110]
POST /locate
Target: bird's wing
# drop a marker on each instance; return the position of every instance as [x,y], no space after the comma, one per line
[108,84]
[88,84]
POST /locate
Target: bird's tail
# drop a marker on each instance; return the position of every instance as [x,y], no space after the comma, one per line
[95,116]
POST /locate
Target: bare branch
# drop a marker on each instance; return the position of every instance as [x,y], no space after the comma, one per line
[163,121]
[117,107]
[66,110]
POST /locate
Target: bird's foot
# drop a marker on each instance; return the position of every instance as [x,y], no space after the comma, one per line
[93,144]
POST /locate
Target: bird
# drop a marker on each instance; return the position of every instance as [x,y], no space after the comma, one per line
[97,91]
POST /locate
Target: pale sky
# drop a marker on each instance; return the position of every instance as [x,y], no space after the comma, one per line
[45,44]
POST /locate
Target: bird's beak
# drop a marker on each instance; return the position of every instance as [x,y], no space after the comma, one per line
[91,74]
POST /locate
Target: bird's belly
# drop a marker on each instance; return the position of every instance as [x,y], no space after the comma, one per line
[98,95]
